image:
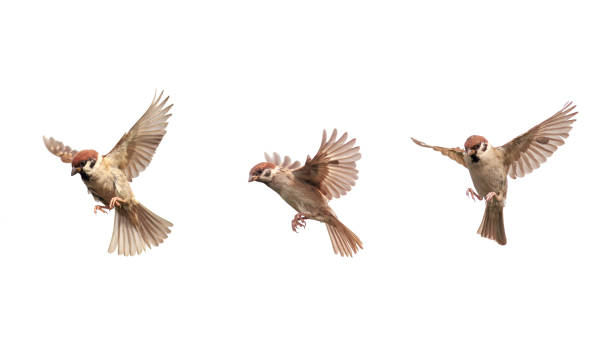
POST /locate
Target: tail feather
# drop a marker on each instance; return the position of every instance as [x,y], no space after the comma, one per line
[137,228]
[492,225]
[343,240]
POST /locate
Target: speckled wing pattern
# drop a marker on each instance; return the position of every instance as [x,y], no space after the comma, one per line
[454,153]
[284,163]
[134,151]
[526,152]
[57,148]
[332,170]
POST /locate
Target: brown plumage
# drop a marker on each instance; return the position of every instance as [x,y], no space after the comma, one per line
[329,174]
[107,179]
[489,166]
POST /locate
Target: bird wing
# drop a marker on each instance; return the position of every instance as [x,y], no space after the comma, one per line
[526,152]
[134,151]
[285,163]
[454,153]
[57,148]
[332,170]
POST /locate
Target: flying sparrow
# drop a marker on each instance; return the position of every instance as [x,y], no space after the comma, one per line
[107,178]
[330,174]
[489,166]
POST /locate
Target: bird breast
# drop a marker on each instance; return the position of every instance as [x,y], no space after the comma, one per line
[488,174]
[106,182]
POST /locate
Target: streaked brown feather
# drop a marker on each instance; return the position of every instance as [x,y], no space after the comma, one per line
[528,151]
[455,154]
[57,148]
[332,170]
[136,148]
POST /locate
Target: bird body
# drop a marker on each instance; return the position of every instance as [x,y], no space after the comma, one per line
[488,173]
[302,197]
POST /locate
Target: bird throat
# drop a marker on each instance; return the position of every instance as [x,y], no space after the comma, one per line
[475,158]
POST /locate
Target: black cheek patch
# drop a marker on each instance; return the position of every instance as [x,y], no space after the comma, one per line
[484,148]
[84,176]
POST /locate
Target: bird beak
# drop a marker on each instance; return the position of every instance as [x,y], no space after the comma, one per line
[252,178]
[75,170]
[471,152]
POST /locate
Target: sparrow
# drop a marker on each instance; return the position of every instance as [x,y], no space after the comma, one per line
[107,178]
[308,189]
[490,166]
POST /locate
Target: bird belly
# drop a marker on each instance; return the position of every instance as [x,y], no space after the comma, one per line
[487,178]
[109,184]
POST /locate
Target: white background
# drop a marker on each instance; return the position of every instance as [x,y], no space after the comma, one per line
[248,77]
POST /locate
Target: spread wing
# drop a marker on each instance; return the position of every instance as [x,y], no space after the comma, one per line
[526,152]
[285,163]
[454,153]
[57,148]
[134,151]
[332,170]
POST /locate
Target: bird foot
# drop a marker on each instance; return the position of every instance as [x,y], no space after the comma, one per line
[100,208]
[298,221]
[114,202]
[490,196]
[470,193]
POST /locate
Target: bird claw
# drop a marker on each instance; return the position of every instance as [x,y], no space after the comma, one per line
[490,196]
[298,221]
[470,193]
[100,208]
[114,202]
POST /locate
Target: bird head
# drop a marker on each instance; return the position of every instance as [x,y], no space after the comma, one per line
[83,162]
[475,145]
[262,172]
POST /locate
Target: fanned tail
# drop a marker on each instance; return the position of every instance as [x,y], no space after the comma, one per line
[135,228]
[343,240]
[492,225]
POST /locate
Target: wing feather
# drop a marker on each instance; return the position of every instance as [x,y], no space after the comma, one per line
[527,152]
[134,151]
[333,169]
[57,148]
[285,163]
[455,154]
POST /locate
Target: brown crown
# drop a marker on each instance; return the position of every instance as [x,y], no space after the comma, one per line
[261,166]
[474,140]
[83,155]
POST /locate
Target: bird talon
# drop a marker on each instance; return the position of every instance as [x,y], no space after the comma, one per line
[470,193]
[114,202]
[100,208]
[298,221]
[490,196]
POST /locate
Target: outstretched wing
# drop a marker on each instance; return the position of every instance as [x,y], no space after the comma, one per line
[57,148]
[526,152]
[285,163]
[332,170]
[454,153]
[134,151]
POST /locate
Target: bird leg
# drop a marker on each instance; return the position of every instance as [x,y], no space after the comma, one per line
[100,208]
[490,196]
[298,220]
[115,202]
[470,193]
